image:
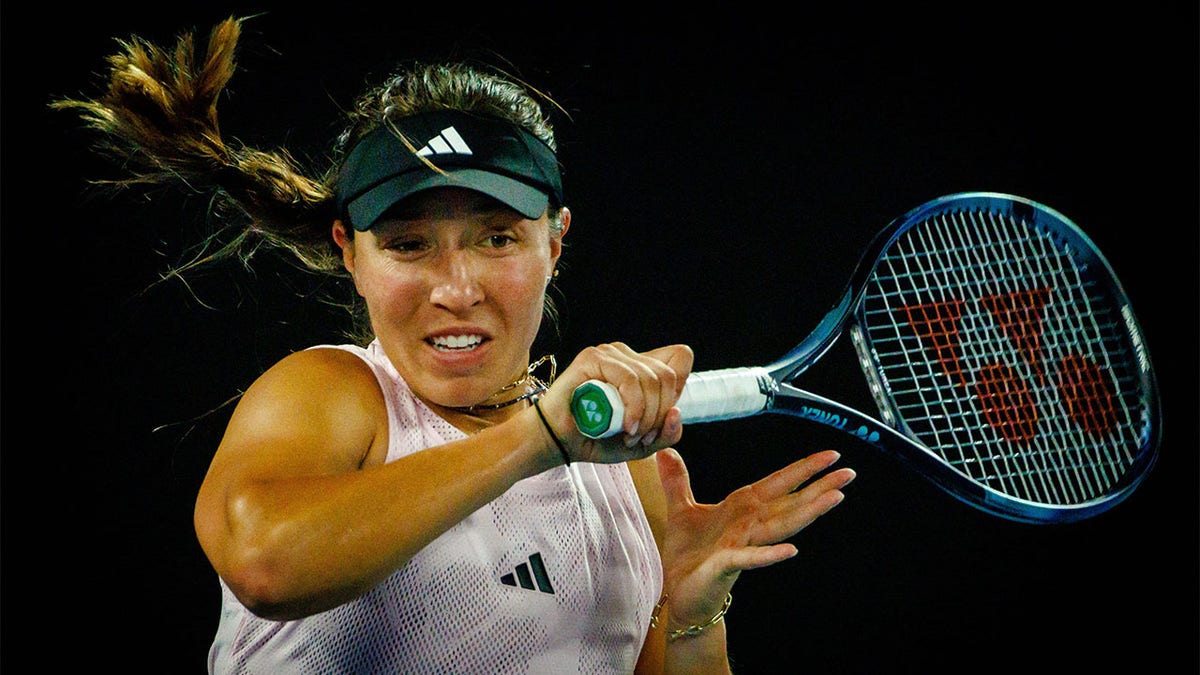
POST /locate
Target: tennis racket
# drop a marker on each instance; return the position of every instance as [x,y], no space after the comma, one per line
[1000,348]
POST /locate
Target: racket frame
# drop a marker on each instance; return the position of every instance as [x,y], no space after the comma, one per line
[733,393]
[894,437]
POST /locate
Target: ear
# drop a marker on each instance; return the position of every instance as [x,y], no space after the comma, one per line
[345,241]
[556,241]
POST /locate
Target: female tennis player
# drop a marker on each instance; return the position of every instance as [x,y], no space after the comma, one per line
[421,500]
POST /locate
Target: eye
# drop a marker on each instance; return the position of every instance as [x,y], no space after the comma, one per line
[405,245]
[498,240]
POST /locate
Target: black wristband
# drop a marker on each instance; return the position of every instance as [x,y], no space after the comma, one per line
[561,449]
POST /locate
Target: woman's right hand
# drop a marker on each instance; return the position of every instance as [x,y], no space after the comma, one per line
[649,383]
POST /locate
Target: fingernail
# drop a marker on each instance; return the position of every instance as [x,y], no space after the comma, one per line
[649,438]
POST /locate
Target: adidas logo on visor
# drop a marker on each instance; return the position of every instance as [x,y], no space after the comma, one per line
[526,574]
[446,143]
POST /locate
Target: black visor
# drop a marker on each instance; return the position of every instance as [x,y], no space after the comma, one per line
[448,149]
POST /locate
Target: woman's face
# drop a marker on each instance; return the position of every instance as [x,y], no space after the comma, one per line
[454,282]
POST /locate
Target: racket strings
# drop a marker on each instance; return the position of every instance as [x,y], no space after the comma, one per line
[997,350]
[1000,382]
[966,269]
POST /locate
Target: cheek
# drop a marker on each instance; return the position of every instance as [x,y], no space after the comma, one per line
[526,290]
[386,293]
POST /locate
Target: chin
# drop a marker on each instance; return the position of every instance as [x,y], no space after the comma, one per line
[456,394]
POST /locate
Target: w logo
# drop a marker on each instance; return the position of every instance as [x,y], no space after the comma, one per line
[1007,396]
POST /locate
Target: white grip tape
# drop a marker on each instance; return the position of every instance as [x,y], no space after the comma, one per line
[724,394]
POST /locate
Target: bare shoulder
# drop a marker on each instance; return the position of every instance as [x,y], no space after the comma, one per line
[321,399]
[333,379]
[322,366]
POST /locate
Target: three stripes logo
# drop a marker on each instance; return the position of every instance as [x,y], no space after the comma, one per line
[527,573]
[449,142]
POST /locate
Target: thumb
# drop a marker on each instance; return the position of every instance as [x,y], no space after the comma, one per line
[674,476]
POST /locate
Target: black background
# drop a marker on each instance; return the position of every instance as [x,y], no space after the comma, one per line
[725,169]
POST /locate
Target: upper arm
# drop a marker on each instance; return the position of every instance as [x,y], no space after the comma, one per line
[315,413]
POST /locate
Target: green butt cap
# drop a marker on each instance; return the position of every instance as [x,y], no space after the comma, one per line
[594,411]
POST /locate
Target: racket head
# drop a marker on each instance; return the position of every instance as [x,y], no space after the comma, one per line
[995,334]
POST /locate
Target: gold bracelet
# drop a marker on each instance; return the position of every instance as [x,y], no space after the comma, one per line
[694,629]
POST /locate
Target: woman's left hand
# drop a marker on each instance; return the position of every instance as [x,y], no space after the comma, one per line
[707,546]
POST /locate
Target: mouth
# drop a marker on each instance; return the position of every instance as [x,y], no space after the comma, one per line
[455,343]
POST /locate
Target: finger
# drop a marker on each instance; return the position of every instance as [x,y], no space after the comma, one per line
[675,480]
[648,384]
[679,358]
[659,390]
[753,557]
[794,512]
[672,366]
[671,431]
[618,368]
[794,475]
[659,384]
[646,427]
[830,482]
[729,563]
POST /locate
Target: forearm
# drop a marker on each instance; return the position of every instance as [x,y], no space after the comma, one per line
[293,546]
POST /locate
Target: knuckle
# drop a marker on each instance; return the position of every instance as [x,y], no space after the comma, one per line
[669,378]
[593,352]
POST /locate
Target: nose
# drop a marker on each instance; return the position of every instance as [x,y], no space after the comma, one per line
[456,285]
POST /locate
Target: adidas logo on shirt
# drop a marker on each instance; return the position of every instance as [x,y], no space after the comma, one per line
[526,573]
[446,143]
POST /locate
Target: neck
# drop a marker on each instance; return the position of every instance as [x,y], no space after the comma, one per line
[503,403]
[471,421]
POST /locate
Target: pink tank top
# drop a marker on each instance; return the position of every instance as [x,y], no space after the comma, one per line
[557,575]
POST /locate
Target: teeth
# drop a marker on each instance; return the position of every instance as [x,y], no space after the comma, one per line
[456,341]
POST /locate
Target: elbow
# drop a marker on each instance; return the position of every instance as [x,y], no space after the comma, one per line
[255,570]
[258,586]
[257,580]
[271,588]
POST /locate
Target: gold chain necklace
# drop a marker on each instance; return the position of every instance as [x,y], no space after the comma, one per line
[534,387]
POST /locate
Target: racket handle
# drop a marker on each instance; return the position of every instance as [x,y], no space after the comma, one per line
[707,397]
